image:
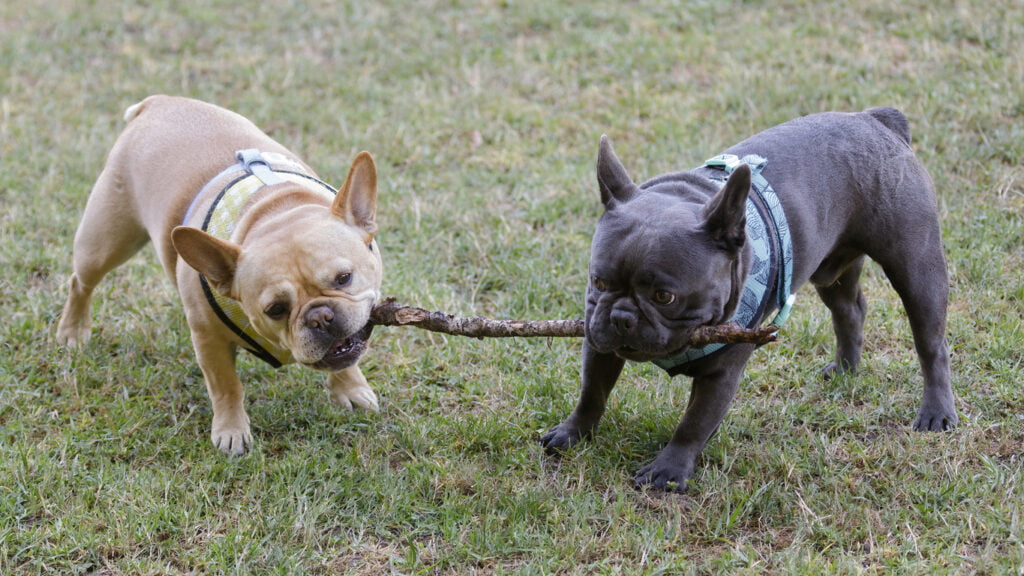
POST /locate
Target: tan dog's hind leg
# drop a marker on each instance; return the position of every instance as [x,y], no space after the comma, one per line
[349,387]
[75,321]
[108,235]
[230,431]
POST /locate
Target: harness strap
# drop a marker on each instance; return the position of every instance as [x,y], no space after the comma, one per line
[253,172]
[772,250]
[764,190]
[252,162]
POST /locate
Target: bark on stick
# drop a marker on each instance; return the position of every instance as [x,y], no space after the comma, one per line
[390,313]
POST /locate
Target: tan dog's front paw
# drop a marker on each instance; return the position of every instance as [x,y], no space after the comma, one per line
[73,335]
[362,397]
[232,436]
[349,387]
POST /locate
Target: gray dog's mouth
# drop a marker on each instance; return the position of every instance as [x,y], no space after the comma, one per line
[629,353]
[623,351]
[344,352]
[634,349]
[617,348]
[637,355]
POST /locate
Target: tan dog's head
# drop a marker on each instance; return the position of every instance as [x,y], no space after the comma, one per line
[306,276]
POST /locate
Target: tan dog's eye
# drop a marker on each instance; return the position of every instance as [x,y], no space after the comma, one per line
[664,297]
[342,279]
[599,284]
[276,311]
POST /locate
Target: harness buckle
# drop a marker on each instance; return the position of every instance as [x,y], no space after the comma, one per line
[254,163]
[726,162]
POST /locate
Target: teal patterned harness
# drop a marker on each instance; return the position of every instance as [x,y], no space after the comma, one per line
[772,265]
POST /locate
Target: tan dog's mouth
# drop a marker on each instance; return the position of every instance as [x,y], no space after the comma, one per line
[344,352]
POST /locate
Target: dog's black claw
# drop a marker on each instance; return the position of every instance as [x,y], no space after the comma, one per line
[666,480]
[561,438]
[943,423]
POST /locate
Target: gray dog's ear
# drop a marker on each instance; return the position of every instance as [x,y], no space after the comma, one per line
[612,179]
[725,215]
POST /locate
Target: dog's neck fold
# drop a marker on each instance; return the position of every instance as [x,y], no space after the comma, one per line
[232,214]
[768,242]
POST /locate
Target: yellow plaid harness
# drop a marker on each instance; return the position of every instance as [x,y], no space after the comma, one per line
[253,172]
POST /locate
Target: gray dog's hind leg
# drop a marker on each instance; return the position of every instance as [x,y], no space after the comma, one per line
[922,284]
[917,270]
[845,301]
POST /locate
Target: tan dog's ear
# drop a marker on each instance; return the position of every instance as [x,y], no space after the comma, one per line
[356,202]
[210,256]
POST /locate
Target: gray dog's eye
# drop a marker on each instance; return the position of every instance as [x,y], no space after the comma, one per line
[342,279]
[664,297]
[599,284]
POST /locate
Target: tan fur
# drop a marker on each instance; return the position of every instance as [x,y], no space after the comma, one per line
[289,245]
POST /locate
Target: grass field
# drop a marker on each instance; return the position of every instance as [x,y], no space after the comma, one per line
[484,119]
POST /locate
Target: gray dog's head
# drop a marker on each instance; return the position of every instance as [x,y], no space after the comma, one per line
[668,256]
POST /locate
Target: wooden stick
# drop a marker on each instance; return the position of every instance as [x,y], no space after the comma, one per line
[390,313]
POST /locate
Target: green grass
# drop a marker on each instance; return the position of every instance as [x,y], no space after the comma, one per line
[484,119]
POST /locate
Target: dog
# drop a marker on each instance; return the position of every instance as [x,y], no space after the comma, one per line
[701,247]
[265,256]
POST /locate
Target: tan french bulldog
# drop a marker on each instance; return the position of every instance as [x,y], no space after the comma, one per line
[264,255]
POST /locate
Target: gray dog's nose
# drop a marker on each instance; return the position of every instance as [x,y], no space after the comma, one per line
[623,321]
[319,318]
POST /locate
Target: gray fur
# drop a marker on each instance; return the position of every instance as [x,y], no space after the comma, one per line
[851,188]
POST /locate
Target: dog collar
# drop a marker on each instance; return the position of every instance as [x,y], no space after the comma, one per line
[253,172]
[772,249]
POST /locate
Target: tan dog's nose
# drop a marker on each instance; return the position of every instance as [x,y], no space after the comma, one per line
[319,318]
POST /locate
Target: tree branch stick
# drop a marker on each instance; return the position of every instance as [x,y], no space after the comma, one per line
[390,313]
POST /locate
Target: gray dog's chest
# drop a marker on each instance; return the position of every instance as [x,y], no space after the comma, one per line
[768,284]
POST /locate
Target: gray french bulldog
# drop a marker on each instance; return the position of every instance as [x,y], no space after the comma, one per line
[804,201]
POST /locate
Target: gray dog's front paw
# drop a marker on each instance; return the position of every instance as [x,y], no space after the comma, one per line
[561,438]
[667,478]
[670,471]
[834,369]
[937,413]
[932,420]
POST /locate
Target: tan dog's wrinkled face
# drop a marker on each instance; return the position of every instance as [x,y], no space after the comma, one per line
[311,290]
[309,276]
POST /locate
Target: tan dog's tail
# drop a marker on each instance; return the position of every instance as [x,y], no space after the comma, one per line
[134,110]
